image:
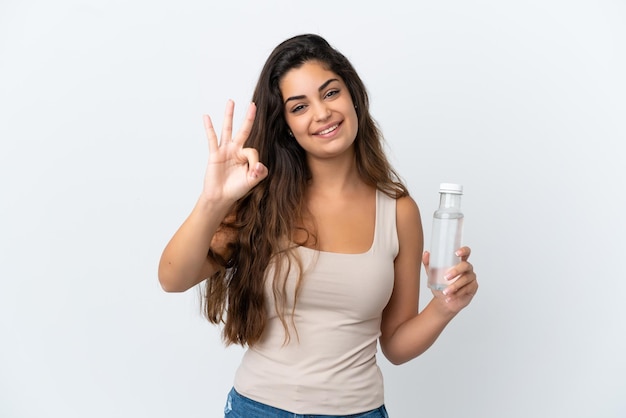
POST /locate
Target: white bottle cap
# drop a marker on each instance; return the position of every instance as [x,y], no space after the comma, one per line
[451,188]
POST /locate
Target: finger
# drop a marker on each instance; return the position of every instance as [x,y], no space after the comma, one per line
[464,293]
[227,125]
[463,253]
[461,268]
[256,170]
[244,132]
[465,289]
[210,133]
[462,277]
[426,259]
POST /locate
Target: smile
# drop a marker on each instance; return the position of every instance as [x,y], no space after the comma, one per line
[328,130]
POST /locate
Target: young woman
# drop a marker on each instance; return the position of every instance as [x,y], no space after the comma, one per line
[310,245]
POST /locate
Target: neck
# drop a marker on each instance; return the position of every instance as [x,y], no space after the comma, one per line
[334,176]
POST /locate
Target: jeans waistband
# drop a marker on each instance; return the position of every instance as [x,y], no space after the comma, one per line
[239,406]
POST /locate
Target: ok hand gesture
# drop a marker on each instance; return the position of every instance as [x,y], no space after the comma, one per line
[232,170]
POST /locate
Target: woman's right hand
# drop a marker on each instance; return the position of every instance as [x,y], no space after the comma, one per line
[232,170]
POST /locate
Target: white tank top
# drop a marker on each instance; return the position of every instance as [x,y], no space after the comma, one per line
[329,365]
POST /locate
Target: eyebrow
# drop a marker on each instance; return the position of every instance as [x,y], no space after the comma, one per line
[320,88]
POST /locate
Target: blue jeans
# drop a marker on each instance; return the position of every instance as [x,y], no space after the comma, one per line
[238,406]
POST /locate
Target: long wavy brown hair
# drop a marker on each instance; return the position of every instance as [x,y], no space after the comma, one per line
[264,220]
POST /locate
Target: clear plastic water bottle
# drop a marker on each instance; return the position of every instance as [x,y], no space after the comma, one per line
[447,234]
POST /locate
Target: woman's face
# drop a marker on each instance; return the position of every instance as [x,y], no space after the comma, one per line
[319,110]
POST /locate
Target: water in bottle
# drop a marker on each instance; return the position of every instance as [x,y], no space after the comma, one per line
[447,235]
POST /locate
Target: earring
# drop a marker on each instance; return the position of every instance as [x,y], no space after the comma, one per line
[290,133]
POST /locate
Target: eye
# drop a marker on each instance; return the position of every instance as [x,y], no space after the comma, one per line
[331,93]
[297,108]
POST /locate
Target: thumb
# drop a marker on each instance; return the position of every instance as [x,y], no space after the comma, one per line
[426,259]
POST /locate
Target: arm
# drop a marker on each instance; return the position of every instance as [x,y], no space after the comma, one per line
[231,172]
[406,332]
[184,262]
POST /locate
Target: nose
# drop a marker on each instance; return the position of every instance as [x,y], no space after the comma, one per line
[322,112]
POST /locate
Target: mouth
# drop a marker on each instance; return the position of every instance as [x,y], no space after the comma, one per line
[329,129]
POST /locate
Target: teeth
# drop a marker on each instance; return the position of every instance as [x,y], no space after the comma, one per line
[329,130]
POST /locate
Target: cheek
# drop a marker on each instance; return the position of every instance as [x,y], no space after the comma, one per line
[350,110]
[297,126]
[354,118]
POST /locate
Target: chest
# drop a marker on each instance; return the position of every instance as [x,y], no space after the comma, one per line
[345,288]
[346,226]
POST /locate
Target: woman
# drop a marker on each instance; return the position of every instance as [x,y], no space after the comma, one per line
[310,245]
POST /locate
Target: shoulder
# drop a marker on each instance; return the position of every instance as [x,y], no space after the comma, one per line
[407,210]
[409,224]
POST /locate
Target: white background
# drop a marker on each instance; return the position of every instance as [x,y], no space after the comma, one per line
[102,155]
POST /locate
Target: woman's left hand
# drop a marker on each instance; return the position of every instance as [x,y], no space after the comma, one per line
[463,284]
